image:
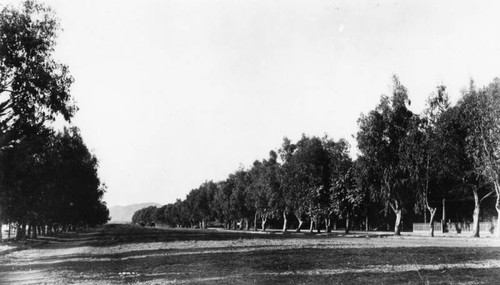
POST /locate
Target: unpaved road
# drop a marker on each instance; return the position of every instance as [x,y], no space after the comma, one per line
[127,254]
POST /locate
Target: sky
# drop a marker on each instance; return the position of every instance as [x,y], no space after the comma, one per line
[173,93]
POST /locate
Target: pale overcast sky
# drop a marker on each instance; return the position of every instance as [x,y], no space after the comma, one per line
[176,92]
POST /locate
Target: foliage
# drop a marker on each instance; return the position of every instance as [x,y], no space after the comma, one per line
[46,178]
[48,174]
[407,163]
[34,88]
[381,140]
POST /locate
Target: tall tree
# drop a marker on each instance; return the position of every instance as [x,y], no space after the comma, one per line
[264,194]
[241,210]
[76,185]
[51,179]
[436,149]
[345,195]
[481,117]
[380,139]
[289,196]
[34,88]
[305,178]
[222,201]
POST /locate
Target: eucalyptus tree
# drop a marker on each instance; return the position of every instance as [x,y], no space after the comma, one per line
[258,194]
[345,195]
[380,139]
[313,176]
[437,151]
[205,202]
[145,216]
[305,179]
[76,188]
[199,202]
[241,210]
[222,201]
[51,179]
[264,193]
[366,183]
[34,88]
[191,203]
[481,118]
[427,151]
[289,195]
[25,177]
[178,214]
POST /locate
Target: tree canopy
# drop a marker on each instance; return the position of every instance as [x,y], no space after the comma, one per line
[47,178]
[409,163]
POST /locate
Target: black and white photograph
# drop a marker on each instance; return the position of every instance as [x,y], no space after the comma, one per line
[249,142]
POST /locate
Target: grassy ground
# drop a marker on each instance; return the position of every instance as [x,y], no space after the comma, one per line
[119,254]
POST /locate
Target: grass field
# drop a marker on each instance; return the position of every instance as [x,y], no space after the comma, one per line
[119,254]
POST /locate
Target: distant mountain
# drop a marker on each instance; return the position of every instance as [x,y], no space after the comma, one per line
[123,214]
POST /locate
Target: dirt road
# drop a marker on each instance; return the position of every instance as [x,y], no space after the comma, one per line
[127,254]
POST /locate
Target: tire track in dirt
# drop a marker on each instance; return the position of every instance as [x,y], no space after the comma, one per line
[484,264]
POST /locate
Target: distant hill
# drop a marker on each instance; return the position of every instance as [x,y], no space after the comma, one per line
[123,214]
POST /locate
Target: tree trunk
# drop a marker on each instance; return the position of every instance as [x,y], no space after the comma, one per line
[300,223]
[397,225]
[327,225]
[444,228]
[318,229]
[347,223]
[255,222]
[284,221]
[21,231]
[497,206]
[247,224]
[431,221]
[264,220]
[8,235]
[18,231]
[34,231]
[367,228]
[311,228]
[475,216]
[425,216]
[398,211]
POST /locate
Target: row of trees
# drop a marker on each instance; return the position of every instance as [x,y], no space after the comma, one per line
[315,181]
[48,179]
[408,163]
[50,182]
[449,152]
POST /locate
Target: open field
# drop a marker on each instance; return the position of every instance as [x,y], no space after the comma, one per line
[119,254]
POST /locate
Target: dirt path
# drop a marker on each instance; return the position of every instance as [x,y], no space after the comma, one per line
[116,255]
